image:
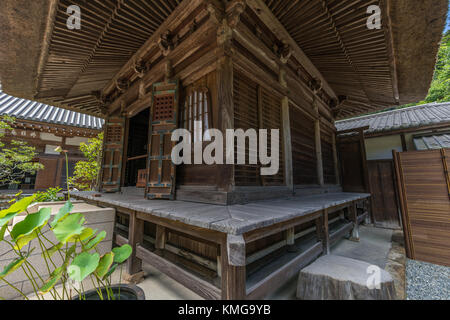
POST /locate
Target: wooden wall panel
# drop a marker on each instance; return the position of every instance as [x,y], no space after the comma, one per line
[425,196]
[256,107]
[245,117]
[304,161]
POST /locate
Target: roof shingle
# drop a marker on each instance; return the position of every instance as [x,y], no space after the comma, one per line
[418,116]
[35,111]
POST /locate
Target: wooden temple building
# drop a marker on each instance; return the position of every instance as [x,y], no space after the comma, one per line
[151,66]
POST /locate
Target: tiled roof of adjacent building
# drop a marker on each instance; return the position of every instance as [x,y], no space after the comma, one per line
[437,141]
[418,116]
[35,111]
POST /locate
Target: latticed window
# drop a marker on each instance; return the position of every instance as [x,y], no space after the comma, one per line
[196,110]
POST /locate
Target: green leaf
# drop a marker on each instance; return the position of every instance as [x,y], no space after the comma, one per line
[69,227]
[28,229]
[8,218]
[13,266]
[2,232]
[111,271]
[83,265]
[85,235]
[18,207]
[94,242]
[54,278]
[105,263]
[122,253]
[62,213]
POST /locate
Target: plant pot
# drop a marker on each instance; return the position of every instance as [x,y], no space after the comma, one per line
[127,292]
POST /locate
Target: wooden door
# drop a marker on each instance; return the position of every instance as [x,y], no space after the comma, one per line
[163,121]
[353,165]
[384,195]
[111,172]
[49,176]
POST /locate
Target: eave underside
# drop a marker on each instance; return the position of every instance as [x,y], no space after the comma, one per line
[372,69]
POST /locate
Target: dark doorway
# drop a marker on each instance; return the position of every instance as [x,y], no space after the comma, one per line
[137,147]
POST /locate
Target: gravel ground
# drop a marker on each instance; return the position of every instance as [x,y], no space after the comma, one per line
[425,281]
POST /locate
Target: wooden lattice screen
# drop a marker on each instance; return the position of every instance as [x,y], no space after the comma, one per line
[256,107]
[423,183]
[304,161]
[113,154]
[164,120]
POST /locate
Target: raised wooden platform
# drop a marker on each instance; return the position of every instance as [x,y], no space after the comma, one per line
[236,251]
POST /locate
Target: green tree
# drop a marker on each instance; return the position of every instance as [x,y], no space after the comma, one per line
[440,87]
[16,158]
[86,172]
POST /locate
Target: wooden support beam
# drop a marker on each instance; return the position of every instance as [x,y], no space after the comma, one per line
[322,227]
[135,237]
[160,242]
[226,115]
[335,160]
[286,127]
[233,268]
[318,144]
[353,216]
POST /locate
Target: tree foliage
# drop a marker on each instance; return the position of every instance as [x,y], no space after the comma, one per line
[86,172]
[16,158]
[440,87]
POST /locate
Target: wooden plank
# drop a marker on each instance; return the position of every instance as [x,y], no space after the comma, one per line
[160,242]
[135,237]
[194,283]
[120,240]
[277,278]
[204,234]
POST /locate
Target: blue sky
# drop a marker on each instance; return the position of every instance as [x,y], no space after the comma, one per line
[447,27]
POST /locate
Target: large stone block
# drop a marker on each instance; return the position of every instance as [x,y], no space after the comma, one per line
[338,278]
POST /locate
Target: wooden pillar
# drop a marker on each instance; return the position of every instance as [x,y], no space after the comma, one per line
[353,215]
[135,237]
[318,144]
[335,159]
[161,236]
[323,233]
[233,268]
[286,127]
[226,115]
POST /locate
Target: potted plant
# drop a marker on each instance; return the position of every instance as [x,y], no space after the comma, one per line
[71,260]
[75,249]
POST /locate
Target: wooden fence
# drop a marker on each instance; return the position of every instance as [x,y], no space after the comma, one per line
[424,191]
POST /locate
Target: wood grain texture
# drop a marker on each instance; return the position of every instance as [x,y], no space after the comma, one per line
[426,205]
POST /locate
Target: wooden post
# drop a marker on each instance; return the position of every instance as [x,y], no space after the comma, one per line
[290,239]
[286,127]
[226,115]
[322,230]
[353,215]
[335,159]
[318,144]
[233,268]
[160,242]
[135,237]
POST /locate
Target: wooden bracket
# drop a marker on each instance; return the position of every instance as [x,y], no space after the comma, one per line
[140,68]
[166,42]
